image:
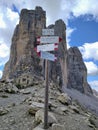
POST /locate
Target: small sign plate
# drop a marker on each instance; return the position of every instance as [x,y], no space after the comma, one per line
[47,47]
[48,56]
[47,32]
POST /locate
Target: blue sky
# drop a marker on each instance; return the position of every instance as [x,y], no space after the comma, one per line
[80,16]
[86,30]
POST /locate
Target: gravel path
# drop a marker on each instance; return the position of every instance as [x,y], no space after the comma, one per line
[17,106]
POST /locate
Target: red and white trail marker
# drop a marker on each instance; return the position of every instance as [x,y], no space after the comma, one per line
[47,47]
[38,53]
[49,39]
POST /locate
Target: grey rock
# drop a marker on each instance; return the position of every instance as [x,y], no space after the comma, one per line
[37,104]
[74,108]
[23,58]
[58,127]
[19,119]
[10,88]
[3,111]
[64,98]
[39,117]
[58,70]
[61,110]
[33,110]
[34,107]
[77,71]
[94,121]
[38,128]
[95,93]
[25,91]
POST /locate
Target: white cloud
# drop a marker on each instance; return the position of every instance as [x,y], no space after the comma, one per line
[69,31]
[2,23]
[0,73]
[3,61]
[4,53]
[52,9]
[12,15]
[8,21]
[56,9]
[83,7]
[80,7]
[90,50]
[4,50]
[92,69]
[94,84]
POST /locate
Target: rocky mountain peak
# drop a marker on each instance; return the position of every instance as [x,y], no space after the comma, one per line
[77,71]
[69,70]
[23,58]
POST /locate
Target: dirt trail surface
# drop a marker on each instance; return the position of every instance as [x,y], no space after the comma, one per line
[14,110]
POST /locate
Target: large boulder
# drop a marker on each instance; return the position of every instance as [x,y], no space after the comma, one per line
[64,98]
[58,127]
[39,117]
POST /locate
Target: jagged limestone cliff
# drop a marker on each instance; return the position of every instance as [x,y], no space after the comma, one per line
[23,61]
[77,71]
[23,58]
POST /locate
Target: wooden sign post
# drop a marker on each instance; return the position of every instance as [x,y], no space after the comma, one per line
[42,49]
[46,95]
[46,32]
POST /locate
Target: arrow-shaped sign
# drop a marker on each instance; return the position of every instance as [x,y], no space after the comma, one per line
[48,56]
[49,39]
[47,47]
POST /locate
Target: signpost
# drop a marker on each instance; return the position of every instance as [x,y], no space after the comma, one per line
[48,39]
[47,47]
[42,51]
[48,56]
[48,32]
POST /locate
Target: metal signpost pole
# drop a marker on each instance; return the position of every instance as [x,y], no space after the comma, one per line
[46,95]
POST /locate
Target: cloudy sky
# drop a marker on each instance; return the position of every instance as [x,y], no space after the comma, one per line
[80,16]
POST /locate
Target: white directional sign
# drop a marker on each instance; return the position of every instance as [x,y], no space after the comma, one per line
[47,31]
[49,39]
[47,47]
[48,56]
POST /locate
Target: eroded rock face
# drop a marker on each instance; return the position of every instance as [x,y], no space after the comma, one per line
[69,69]
[23,58]
[58,69]
[77,71]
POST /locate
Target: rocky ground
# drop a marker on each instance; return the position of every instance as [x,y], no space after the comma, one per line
[22,109]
